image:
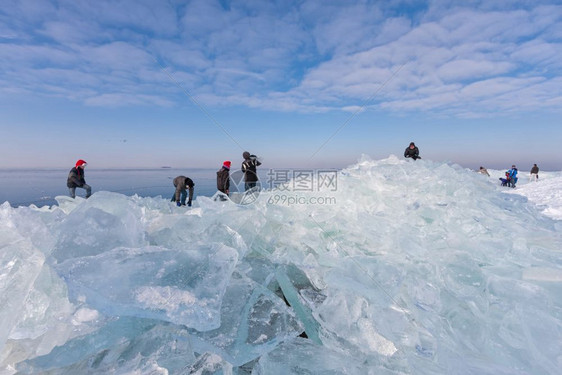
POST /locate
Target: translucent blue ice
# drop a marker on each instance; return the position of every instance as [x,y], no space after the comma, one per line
[406,268]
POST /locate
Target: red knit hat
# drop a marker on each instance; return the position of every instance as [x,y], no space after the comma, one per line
[80,162]
[226,164]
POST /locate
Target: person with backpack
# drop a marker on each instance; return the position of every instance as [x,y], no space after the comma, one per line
[512,173]
[249,169]
[182,183]
[76,179]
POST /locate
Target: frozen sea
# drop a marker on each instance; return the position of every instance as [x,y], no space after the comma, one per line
[405,268]
[41,186]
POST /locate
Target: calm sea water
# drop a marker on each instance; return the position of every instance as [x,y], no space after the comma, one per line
[41,186]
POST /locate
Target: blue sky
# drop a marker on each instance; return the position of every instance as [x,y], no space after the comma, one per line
[192,83]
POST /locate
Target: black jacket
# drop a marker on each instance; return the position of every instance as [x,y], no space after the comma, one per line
[249,168]
[75,178]
[413,153]
[535,169]
[223,180]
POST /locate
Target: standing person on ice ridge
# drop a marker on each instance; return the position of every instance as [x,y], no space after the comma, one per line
[534,173]
[249,168]
[223,179]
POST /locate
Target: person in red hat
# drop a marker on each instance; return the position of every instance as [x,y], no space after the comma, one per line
[223,178]
[76,179]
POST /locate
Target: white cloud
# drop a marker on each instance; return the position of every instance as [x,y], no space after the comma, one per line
[310,57]
[120,99]
[539,52]
[180,55]
[471,69]
[153,16]
[450,66]
[116,56]
[70,32]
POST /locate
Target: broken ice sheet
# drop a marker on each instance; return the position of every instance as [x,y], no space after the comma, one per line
[123,346]
[179,286]
[301,356]
[253,321]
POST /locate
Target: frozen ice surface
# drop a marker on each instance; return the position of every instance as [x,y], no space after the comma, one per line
[209,363]
[183,287]
[411,268]
[103,222]
[20,264]
[123,346]
[546,193]
[302,356]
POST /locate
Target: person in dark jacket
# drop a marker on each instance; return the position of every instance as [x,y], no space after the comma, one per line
[76,179]
[182,183]
[534,173]
[249,169]
[223,178]
[412,152]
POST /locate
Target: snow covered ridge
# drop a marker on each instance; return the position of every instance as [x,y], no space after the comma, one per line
[418,268]
[546,193]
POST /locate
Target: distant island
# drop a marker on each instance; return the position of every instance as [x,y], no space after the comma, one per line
[166,167]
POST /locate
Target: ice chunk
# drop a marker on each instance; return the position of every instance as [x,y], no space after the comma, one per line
[45,321]
[302,356]
[348,317]
[253,321]
[292,295]
[46,304]
[421,267]
[209,363]
[20,265]
[543,274]
[123,346]
[101,223]
[184,287]
[67,204]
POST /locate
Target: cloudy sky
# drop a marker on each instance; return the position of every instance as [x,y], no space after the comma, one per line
[310,83]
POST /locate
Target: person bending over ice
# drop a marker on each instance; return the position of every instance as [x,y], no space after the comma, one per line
[182,183]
